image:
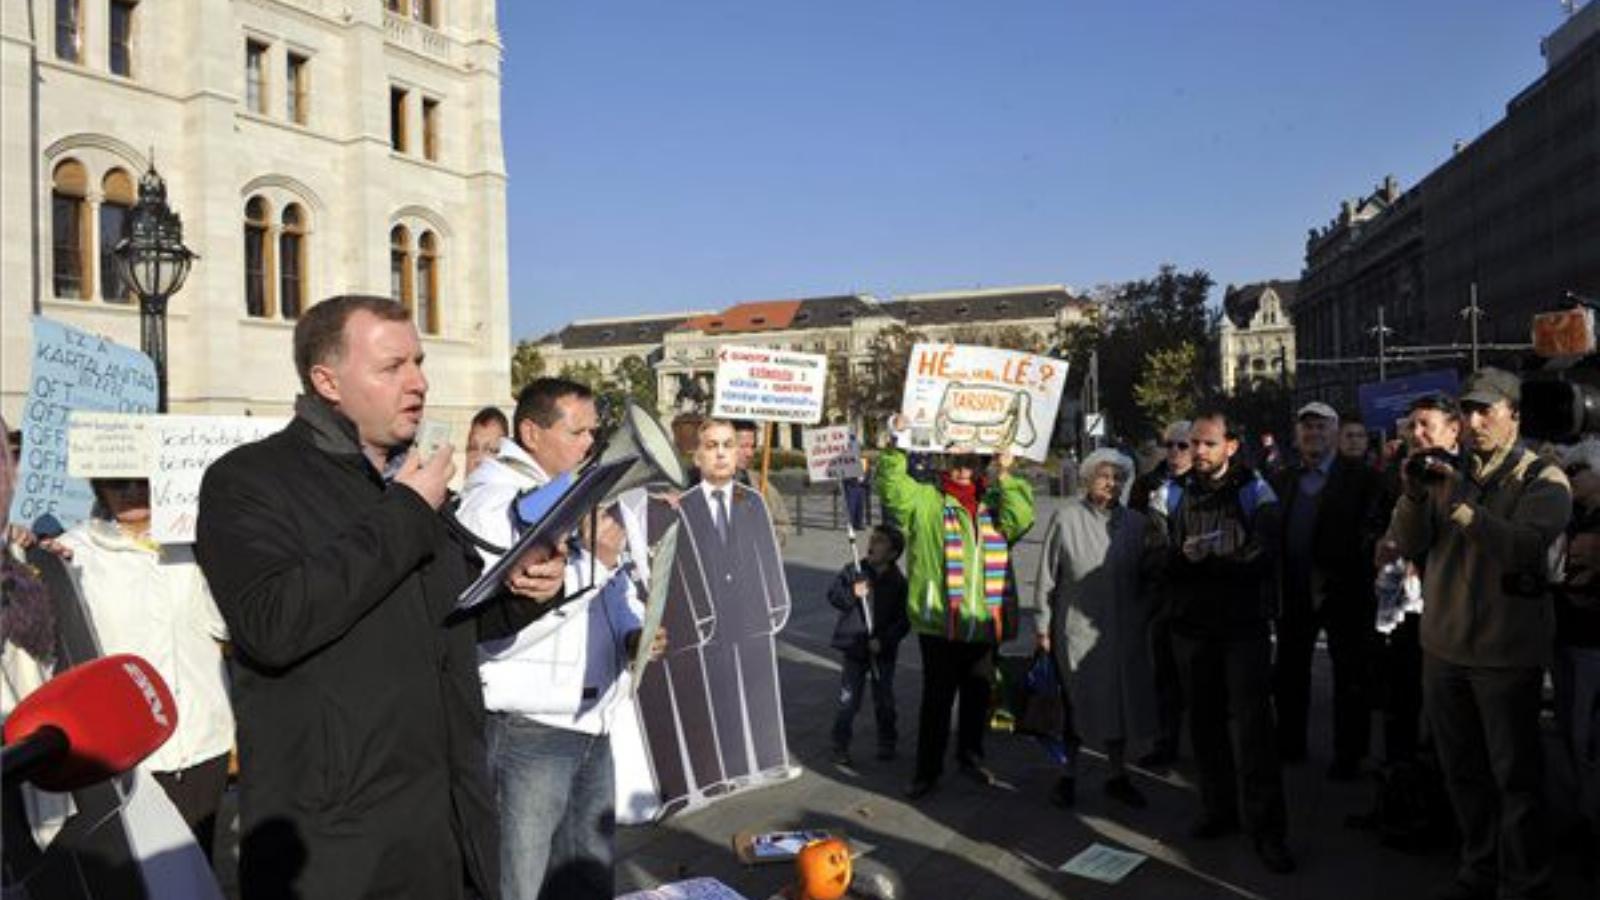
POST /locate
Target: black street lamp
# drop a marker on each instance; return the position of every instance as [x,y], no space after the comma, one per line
[153,259]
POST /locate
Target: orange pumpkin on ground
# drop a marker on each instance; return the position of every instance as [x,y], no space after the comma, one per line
[823,869]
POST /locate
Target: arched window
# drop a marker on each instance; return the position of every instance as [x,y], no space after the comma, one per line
[257,262]
[427,312]
[70,236]
[292,262]
[400,266]
[116,204]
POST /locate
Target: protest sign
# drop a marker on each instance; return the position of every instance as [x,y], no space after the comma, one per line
[1383,402]
[832,454]
[108,445]
[183,447]
[770,385]
[71,369]
[981,400]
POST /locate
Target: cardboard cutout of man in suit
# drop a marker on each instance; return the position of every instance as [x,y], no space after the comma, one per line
[712,710]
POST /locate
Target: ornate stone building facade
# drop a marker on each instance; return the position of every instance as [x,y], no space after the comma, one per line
[1256,337]
[1511,218]
[312,147]
[682,347]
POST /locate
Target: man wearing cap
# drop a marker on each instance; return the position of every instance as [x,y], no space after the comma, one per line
[1157,490]
[1329,528]
[1485,530]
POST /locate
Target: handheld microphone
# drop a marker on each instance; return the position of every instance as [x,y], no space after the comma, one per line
[88,724]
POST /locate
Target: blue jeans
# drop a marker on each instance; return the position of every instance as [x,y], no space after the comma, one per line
[854,679]
[554,789]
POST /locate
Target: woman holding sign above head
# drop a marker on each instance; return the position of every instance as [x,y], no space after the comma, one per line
[150,599]
[959,534]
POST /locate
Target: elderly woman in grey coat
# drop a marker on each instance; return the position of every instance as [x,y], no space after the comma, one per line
[1094,602]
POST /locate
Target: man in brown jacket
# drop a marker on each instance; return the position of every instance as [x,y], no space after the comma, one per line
[1487,625]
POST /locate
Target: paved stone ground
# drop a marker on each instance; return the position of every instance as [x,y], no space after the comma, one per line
[1004,842]
[969,841]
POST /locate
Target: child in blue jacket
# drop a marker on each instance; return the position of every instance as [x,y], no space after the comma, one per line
[869,659]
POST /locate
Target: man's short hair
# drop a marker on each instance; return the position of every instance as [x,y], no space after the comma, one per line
[490,415]
[709,423]
[319,335]
[538,401]
[1215,414]
[895,537]
[1440,402]
[745,425]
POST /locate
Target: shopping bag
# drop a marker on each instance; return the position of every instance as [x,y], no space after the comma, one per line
[1043,712]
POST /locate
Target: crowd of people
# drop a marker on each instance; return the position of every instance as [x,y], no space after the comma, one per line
[390,743]
[1204,595]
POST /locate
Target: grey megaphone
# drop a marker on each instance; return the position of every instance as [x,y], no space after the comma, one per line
[655,458]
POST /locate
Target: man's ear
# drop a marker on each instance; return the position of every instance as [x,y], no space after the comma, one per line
[525,434]
[325,383]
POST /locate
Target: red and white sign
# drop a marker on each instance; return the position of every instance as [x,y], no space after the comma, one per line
[770,385]
[832,454]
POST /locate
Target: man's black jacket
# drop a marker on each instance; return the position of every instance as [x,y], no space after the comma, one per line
[360,715]
[1348,523]
[1231,592]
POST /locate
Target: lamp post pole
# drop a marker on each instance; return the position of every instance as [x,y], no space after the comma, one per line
[155,262]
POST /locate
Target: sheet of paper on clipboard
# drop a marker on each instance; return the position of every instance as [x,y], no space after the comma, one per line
[555,514]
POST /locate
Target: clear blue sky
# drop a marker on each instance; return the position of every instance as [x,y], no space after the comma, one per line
[679,154]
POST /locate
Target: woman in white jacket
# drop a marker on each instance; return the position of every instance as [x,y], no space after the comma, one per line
[151,600]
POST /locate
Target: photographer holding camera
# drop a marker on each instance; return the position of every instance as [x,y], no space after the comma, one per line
[1485,529]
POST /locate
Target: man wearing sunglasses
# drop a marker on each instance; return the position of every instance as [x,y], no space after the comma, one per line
[1161,482]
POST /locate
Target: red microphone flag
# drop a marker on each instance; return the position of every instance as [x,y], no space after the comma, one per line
[113,711]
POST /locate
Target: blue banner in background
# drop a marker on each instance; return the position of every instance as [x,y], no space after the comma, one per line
[1385,401]
[71,369]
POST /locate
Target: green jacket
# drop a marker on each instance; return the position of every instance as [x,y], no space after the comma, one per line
[919,509]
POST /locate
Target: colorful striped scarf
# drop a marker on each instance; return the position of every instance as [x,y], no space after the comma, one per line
[995,553]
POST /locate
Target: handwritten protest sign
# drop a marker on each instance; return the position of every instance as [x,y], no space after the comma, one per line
[981,400]
[108,445]
[71,369]
[770,385]
[832,453]
[184,446]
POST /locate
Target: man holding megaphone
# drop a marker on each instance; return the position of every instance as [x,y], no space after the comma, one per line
[552,689]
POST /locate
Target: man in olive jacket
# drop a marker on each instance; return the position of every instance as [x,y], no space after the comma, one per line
[363,766]
[1487,628]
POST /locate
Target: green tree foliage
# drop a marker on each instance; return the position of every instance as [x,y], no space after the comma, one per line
[878,395]
[1165,390]
[632,379]
[1261,405]
[637,381]
[527,363]
[1137,320]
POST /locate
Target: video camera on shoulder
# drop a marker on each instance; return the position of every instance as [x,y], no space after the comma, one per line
[1561,402]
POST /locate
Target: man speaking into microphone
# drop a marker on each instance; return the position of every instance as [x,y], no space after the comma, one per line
[355,680]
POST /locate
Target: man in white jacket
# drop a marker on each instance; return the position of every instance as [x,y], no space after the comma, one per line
[552,689]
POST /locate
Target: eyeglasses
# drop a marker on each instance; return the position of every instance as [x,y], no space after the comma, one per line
[1177,445]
